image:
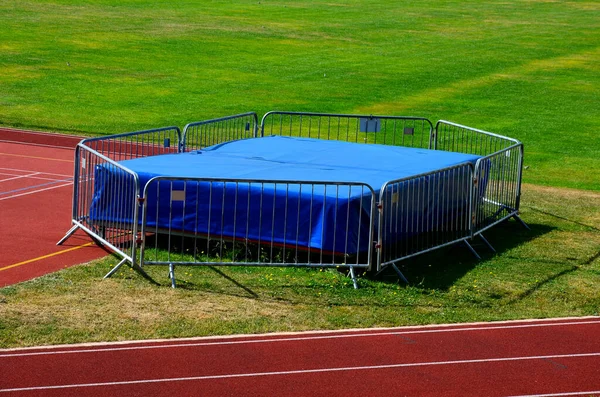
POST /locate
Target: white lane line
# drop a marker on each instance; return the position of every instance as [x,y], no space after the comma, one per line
[287,339]
[35,191]
[36,176]
[298,372]
[573,393]
[30,171]
[19,177]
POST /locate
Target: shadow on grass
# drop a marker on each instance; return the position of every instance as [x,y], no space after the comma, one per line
[437,270]
[553,277]
[441,268]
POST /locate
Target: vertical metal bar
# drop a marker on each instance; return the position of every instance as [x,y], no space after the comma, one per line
[260,218]
[235,206]
[221,241]
[246,239]
[273,223]
[323,216]
[285,218]
[208,234]
[196,226]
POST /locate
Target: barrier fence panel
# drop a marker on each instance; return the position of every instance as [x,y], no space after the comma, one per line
[206,221]
[115,229]
[137,144]
[498,181]
[96,165]
[424,212]
[206,133]
[386,130]
[454,137]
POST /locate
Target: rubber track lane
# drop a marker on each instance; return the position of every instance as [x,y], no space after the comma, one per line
[35,207]
[495,359]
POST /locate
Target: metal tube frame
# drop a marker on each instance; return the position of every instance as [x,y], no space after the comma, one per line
[501,164]
[241,193]
[99,152]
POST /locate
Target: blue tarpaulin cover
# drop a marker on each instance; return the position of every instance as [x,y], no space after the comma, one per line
[326,217]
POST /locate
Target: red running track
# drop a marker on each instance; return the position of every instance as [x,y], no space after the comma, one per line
[525,358]
[35,206]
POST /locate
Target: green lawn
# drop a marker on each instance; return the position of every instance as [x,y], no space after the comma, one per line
[551,271]
[523,68]
[527,69]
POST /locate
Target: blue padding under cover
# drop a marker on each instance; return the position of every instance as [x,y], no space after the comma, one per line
[327,217]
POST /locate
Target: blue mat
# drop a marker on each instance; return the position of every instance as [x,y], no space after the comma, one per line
[327,217]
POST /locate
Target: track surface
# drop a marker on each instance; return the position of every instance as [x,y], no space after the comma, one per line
[527,358]
[35,206]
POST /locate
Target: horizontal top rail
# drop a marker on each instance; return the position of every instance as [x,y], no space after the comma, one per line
[108,160]
[256,181]
[211,121]
[201,134]
[134,133]
[476,130]
[409,131]
[356,116]
[426,174]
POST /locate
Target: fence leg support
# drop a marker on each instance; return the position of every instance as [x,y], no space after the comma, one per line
[114,269]
[518,219]
[353,276]
[143,273]
[470,247]
[68,234]
[137,268]
[487,243]
[172,275]
[399,273]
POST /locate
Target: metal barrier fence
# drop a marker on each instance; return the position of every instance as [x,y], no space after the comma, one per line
[257,223]
[137,144]
[415,215]
[458,138]
[497,178]
[385,130]
[424,212]
[206,133]
[498,181]
[98,158]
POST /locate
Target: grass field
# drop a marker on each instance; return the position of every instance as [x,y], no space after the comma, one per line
[551,271]
[526,69]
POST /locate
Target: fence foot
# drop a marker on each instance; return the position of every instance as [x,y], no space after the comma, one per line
[518,219]
[172,275]
[114,269]
[399,273]
[143,273]
[68,234]
[353,276]
[487,243]
[137,268]
[470,247]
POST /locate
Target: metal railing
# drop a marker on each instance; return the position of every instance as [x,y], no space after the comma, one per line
[498,173]
[424,212]
[226,222]
[218,221]
[137,144]
[101,179]
[92,171]
[206,133]
[458,138]
[497,188]
[385,130]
